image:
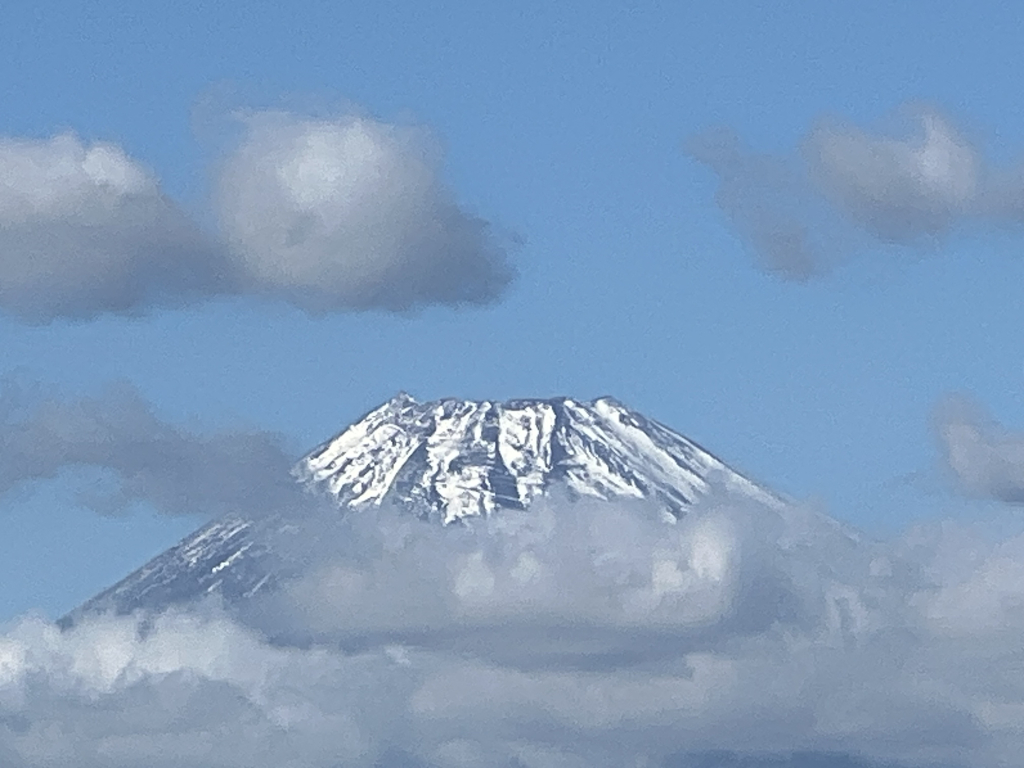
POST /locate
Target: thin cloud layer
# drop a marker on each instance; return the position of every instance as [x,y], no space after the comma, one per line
[351,214]
[173,470]
[768,201]
[582,635]
[328,215]
[85,229]
[985,459]
[848,188]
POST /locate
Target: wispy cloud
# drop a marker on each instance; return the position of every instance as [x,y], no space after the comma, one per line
[898,188]
[846,187]
[985,459]
[769,202]
[176,471]
[326,214]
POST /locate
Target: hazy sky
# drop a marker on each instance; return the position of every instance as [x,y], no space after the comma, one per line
[789,231]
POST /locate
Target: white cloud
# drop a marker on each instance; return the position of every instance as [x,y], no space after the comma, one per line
[84,229]
[584,634]
[849,188]
[329,215]
[351,214]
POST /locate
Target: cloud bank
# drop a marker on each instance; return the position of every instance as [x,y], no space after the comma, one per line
[176,471]
[847,188]
[577,634]
[328,215]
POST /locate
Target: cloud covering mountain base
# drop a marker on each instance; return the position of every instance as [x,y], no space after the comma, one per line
[577,633]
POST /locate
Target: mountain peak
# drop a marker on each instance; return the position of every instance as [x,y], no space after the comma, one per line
[450,459]
[445,460]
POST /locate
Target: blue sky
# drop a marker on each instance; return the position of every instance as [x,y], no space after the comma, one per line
[565,128]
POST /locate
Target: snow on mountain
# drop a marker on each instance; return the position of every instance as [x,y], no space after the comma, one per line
[452,459]
[448,461]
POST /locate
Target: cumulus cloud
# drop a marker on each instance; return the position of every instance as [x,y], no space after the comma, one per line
[351,214]
[847,188]
[986,460]
[576,634]
[329,215]
[176,471]
[85,229]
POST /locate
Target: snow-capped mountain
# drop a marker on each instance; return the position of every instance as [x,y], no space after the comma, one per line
[452,459]
[448,461]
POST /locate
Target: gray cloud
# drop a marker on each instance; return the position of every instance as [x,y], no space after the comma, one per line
[329,215]
[151,461]
[84,229]
[588,634]
[985,459]
[351,214]
[767,199]
[897,189]
[848,188]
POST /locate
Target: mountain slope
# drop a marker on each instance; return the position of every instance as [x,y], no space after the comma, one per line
[446,461]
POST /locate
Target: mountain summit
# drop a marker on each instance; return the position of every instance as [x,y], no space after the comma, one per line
[452,459]
[447,461]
